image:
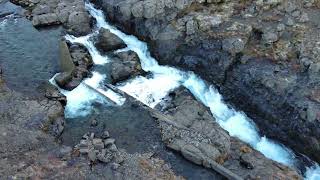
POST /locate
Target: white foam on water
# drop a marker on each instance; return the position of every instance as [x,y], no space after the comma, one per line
[3,24]
[150,91]
[273,150]
[313,173]
[85,40]
[81,99]
[5,20]
[113,96]
[237,123]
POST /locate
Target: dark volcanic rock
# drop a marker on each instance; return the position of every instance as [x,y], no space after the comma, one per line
[74,62]
[108,41]
[219,39]
[125,65]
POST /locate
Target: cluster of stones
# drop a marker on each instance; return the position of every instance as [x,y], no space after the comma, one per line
[99,149]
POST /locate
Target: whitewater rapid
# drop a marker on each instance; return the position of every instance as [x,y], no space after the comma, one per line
[164,79]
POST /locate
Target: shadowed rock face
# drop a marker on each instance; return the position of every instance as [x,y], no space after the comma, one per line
[257,53]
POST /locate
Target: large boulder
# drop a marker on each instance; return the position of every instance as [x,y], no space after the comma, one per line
[125,65]
[79,22]
[72,14]
[108,41]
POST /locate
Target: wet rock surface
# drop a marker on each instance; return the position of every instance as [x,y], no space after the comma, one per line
[75,62]
[107,41]
[124,65]
[225,42]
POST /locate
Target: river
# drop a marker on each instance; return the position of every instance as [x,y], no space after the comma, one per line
[152,89]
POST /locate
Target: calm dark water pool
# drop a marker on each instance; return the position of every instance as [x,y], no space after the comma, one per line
[28,57]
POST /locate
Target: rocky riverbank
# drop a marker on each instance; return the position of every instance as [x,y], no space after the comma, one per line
[263,56]
[124,141]
[33,121]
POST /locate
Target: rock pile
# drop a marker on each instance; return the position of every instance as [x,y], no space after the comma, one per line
[119,163]
[107,41]
[99,149]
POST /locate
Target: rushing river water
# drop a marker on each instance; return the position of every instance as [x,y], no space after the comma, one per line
[164,79]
